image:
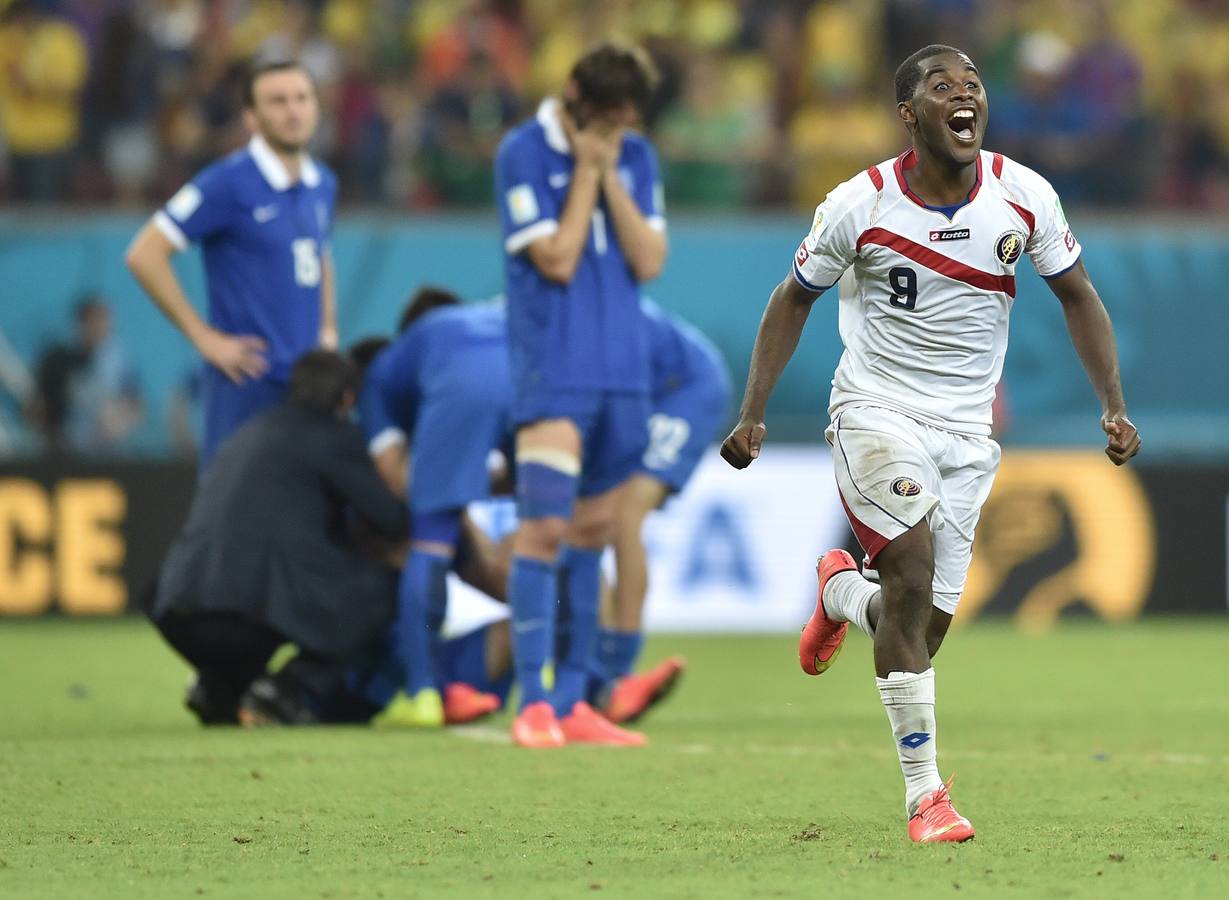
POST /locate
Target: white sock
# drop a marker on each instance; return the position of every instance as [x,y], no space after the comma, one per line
[909,699]
[847,597]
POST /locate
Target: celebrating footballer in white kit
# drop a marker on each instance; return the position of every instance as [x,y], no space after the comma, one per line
[925,247]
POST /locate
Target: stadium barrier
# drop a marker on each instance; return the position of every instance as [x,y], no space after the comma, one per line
[1063,533]
[1163,284]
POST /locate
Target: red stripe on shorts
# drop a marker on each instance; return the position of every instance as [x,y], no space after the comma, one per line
[871,540]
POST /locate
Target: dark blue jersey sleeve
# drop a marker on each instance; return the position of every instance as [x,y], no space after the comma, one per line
[389,401]
[201,208]
[527,206]
[646,187]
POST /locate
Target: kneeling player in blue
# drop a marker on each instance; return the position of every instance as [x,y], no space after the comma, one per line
[691,400]
[434,406]
[472,653]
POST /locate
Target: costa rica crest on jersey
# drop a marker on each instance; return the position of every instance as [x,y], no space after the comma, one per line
[1008,247]
[906,487]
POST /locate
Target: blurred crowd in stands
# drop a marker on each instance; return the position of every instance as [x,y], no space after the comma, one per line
[764,102]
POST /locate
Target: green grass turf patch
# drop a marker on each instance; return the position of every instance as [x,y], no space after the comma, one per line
[1094,761]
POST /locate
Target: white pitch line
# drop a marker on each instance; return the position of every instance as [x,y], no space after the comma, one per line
[485,734]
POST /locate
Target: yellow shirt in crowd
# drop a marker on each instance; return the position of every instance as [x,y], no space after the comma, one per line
[42,72]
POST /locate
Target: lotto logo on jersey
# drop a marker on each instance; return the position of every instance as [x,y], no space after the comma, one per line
[1008,247]
[1069,241]
[951,234]
[801,256]
[906,487]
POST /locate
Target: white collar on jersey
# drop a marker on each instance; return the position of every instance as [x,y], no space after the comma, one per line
[552,124]
[275,173]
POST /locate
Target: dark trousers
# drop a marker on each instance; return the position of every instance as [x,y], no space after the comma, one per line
[229,651]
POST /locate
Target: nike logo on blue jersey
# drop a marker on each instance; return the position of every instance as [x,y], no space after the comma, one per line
[263,214]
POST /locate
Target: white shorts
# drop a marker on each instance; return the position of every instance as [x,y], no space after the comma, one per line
[893,471]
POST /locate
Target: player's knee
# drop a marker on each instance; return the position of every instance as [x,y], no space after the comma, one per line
[593,529]
[540,538]
[936,631]
[906,569]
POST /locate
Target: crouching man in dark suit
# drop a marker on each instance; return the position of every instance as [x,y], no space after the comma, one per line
[267,557]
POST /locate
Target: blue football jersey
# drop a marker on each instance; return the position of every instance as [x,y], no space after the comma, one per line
[587,334]
[443,388]
[680,355]
[262,241]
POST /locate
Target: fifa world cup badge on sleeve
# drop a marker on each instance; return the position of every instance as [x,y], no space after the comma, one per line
[522,205]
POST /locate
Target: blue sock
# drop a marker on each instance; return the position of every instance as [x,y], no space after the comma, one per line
[422,595]
[617,651]
[378,677]
[576,641]
[531,597]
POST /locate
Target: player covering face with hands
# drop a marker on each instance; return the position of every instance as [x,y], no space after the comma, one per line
[925,247]
[583,224]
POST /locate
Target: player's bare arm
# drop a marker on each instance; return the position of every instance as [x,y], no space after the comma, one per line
[393,464]
[643,246]
[1092,335]
[775,342]
[557,255]
[328,302]
[149,260]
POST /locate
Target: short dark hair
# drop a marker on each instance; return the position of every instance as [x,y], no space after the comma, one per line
[422,301]
[363,352]
[612,74]
[909,73]
[256,70]
[320,380]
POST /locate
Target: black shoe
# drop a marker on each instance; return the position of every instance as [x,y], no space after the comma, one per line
[212,704]
[271,702]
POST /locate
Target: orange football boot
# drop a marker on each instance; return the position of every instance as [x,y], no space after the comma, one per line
[585,725]
[822,638]
[464,703]
[634,695]
[936,819]
[537,728]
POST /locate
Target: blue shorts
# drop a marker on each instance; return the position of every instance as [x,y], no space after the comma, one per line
[453,439]
[229,405]
[464,659]
[613,429]
[682,426]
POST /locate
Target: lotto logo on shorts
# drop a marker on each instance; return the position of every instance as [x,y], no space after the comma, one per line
[906,487]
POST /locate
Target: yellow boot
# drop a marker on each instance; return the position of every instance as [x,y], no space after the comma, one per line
[424,710]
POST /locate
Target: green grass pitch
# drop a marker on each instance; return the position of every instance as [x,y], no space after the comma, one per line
[1094,761]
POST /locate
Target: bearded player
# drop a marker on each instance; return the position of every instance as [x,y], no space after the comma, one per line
[931,240]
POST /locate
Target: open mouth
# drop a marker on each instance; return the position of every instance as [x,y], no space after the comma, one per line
[963,124]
